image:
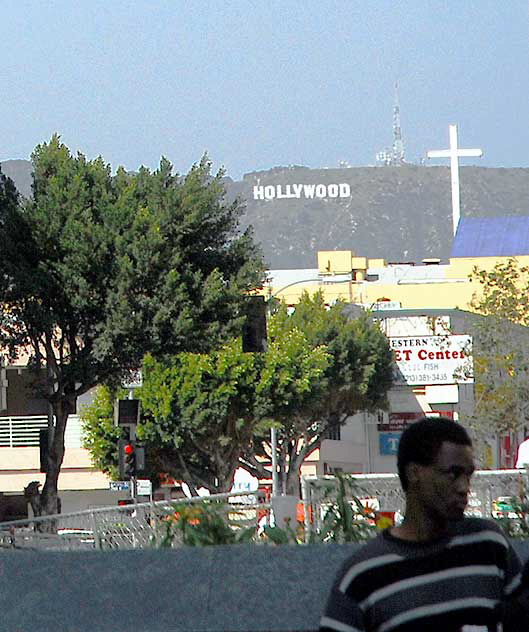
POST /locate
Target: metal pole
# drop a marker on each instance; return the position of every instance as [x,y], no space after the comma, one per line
[368,443]
[273,444]
[132,437]
[306,510]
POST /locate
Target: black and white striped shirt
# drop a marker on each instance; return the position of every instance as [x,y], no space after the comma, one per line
[457,583]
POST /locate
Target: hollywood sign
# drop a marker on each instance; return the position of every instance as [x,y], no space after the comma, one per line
[297,191]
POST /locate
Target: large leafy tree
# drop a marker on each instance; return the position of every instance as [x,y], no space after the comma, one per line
[98,270]
[198,414]
[204,415]
[199,420]
[501,351]
[357,377]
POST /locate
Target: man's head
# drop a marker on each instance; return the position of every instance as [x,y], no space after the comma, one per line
[435,464]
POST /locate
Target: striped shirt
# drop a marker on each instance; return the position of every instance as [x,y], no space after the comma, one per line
[456,583]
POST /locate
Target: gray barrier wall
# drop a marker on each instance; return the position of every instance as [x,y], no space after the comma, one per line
[212,589]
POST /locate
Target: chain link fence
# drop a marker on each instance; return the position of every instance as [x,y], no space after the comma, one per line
[134,526]
[383,493]
[146,525]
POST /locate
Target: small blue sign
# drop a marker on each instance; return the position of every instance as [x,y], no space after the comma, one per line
[389,443]
[119,486]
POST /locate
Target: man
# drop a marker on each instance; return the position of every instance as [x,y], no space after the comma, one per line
[438,570]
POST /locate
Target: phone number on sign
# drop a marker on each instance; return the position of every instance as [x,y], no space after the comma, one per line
[425,378]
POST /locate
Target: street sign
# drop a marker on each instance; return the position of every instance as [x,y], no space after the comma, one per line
[133,380]
[119,486]
[143,487]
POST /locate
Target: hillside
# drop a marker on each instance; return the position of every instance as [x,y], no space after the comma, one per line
[398,213]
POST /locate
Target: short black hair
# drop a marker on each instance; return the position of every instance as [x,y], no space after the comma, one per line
[422,440]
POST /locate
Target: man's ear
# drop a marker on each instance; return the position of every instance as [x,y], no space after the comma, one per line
[412,473]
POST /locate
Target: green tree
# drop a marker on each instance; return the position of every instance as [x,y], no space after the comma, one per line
[8,194]
[500,352]
[206,414]
[99,432]
[98,270]
[198,416]
[357,376]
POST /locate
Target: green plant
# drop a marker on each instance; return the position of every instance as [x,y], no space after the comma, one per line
[346,519]
[203,524]
[282,535]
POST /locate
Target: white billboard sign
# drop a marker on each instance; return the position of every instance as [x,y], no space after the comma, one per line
[432,359]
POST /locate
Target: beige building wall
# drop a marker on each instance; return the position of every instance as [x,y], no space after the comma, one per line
[20,466]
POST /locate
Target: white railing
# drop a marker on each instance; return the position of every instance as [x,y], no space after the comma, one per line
[134,526]
[23,431]
[145,525]
[18,432]
[384,491]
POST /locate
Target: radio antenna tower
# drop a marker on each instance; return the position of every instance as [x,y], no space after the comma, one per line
[395,156]
[398,144]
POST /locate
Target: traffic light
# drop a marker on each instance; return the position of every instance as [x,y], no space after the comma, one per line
[131,459]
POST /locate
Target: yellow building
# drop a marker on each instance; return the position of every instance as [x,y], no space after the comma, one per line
[343,274]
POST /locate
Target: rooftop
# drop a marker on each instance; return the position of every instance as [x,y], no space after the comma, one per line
[491,237]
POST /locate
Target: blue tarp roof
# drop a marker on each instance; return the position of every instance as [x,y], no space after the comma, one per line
[491,237]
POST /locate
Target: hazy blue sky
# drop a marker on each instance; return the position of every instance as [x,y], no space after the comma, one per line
[260,84]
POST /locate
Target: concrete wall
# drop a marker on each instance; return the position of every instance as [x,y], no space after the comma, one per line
[211,589]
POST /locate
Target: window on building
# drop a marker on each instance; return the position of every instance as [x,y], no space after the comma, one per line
[334,431]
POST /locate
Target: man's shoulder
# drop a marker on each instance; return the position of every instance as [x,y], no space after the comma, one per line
[375,553]
[376,547]
[472,531]
[472,524]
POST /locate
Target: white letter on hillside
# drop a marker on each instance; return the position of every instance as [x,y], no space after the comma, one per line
[309,190]
[321,191]
[345,190]
[297,190]
[270,192]
[258,193]
[332,190]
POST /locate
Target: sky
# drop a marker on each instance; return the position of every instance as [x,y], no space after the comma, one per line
[258,84]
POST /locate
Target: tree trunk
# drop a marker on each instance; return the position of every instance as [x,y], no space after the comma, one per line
[50,503]
[292,482]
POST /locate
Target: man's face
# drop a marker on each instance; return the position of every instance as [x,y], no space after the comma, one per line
[442,488]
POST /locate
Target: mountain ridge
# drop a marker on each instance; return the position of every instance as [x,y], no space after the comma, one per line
[396,213]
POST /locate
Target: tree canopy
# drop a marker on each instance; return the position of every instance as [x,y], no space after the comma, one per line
[500,350]
[356,377]
[100,269]
[206,414]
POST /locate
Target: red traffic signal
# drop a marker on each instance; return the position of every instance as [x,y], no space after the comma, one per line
[131,459]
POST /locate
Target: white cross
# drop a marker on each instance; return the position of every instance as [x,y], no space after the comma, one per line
[454,153]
